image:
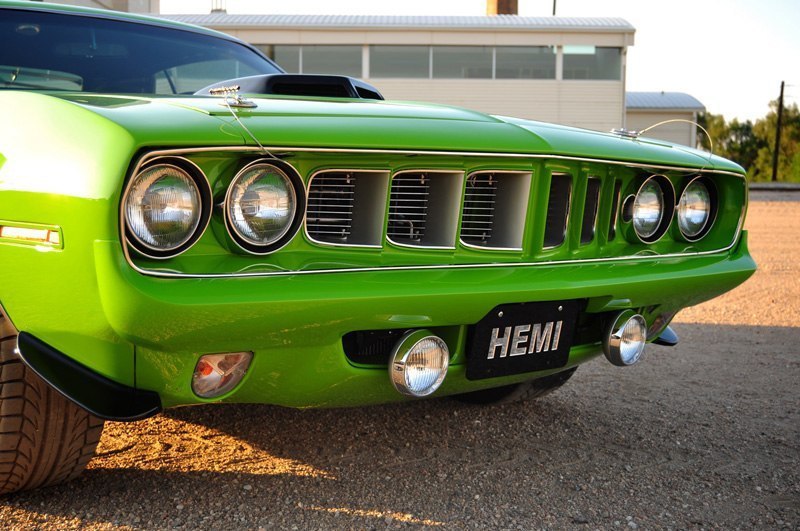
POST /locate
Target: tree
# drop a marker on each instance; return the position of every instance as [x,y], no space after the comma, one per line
[751,144]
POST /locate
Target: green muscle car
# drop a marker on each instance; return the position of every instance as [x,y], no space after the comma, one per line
[181,222]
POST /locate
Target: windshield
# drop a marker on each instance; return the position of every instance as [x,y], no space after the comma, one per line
[55,51]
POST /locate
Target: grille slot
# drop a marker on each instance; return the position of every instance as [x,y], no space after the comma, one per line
[480,200]
[346,207]
[495,208]
[423,208]
[329,215]
[612,224]
[555,231]
[590,210]
[408,207]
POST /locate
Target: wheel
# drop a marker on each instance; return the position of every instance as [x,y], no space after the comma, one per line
[44,438]
[518,392]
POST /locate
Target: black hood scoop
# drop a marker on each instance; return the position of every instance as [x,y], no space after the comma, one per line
[299,85]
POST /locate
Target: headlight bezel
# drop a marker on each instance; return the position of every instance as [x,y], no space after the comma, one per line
[203,187]
[298,190]
[667,190]
[713,199]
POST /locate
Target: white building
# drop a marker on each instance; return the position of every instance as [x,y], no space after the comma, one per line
[645,109]
[564,70]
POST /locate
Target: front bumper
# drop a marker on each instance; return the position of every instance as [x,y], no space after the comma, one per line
[295,324]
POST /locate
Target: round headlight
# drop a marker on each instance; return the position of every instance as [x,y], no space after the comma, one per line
[261,206]
[652,208]
[694,210]
[163,210]
[648,209]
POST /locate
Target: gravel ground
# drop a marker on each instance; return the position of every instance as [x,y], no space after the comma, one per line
[704,435]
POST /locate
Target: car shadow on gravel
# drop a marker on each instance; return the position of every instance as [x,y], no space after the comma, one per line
[702,435]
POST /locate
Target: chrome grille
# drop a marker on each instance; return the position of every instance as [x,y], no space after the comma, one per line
[408,207]
[480,201]
[329,215]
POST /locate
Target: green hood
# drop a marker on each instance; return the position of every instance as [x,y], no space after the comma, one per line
[279,121]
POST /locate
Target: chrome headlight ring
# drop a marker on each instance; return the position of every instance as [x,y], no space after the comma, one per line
[698,186]
[264,206]
[166,207]
[648,225]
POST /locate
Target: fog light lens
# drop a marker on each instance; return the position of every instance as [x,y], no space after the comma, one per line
[216,374]
[626,339]
[419,363]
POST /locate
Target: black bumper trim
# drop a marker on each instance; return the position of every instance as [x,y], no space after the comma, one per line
[100,396]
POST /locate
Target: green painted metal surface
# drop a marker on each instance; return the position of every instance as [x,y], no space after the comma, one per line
[64,160]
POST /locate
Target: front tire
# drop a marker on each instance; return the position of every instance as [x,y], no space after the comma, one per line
[44,438]
[518,392]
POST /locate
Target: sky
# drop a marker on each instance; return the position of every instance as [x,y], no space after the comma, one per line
[730,54]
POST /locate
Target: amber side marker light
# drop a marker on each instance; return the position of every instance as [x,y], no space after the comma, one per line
[30,234]
[216,374]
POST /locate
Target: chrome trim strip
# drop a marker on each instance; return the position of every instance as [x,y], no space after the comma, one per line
[347,245]
[285,149]
[551,263]
[175,275]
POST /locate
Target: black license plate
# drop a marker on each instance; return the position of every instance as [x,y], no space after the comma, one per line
[518,338]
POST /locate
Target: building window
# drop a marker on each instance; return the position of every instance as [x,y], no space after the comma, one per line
[592,62]
[462,62]
[399,61]
[339,60]
[287,57]
[525,62]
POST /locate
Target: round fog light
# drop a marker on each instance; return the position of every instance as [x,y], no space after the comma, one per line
[216,374]
[419,363]
[626,339]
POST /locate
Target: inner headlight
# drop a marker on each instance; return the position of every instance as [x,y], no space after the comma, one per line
[648,209]
[163,210]
[694,210]
[652,209]
[261,206]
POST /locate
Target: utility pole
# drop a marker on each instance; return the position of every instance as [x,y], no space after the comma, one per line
[777,136]
[554,7]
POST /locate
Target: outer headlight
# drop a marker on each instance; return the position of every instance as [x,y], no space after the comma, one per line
[262,207]
[652,208]
[695,210]
[164,212]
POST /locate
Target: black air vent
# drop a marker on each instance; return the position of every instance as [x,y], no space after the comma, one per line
[590,211]
[612,224]
[408,208]
[557,209]
[329,215]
